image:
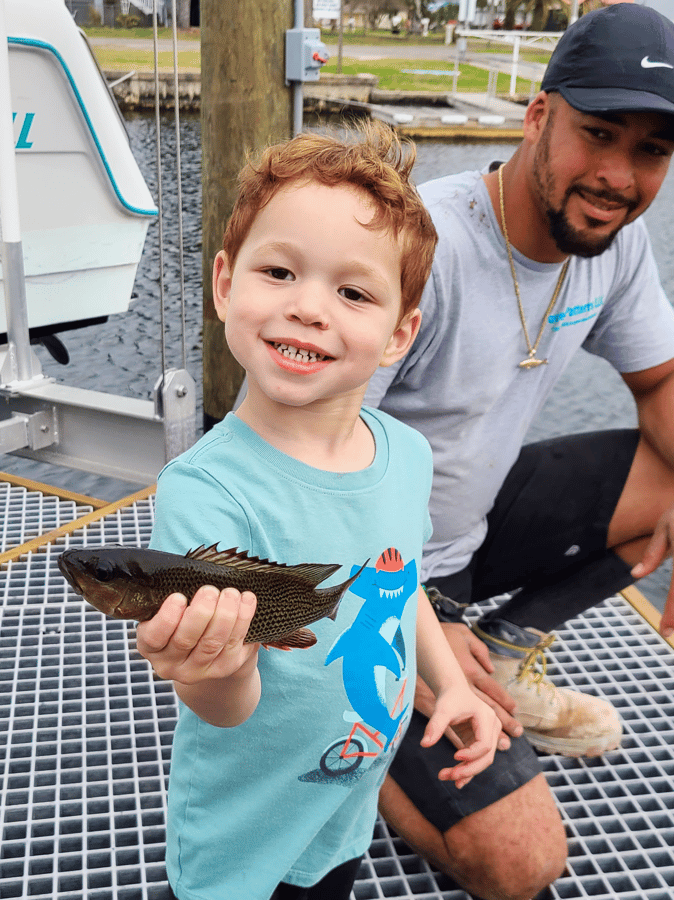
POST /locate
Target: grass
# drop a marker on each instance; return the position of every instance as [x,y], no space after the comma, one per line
[114,60]
[389,71]
[143,33]
[361,36]
[393,78]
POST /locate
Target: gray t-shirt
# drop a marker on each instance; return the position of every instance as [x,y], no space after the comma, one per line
[460,384]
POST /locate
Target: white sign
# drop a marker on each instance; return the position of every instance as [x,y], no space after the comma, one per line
[327,9]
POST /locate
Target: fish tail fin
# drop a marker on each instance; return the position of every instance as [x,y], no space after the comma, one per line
[340,589]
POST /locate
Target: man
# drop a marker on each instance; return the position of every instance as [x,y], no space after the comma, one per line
[536,259]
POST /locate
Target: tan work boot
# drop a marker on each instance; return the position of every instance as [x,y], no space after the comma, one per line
[555,720]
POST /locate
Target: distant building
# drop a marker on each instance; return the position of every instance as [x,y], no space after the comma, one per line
[109,10]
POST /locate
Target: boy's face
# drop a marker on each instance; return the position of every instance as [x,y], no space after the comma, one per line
[312,304]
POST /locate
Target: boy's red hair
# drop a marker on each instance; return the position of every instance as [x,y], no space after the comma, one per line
[373,160]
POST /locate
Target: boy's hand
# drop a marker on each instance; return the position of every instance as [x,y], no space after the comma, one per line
[473,657]
[202,640]
[460,705]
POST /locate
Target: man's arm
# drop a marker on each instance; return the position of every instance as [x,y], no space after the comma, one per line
[653,391]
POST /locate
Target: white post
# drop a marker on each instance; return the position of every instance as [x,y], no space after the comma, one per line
[513,70]
[455,75]
[20,359]
[9,196]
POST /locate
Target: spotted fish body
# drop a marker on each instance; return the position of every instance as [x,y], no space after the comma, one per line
[132,583]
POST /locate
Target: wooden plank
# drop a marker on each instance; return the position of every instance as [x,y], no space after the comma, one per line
[56,533]
[645,609]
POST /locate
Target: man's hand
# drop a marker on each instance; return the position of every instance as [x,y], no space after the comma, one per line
[660,546]
[473,657]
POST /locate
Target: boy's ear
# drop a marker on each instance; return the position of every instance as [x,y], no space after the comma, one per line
[402,338]
[222,284]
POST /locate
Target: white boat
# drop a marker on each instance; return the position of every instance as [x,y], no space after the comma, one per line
[84,227]
[84,205]
[74,213]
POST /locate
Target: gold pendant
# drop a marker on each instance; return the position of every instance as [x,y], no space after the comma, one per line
[531,363]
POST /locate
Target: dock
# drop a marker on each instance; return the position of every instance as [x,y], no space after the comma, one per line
[85,735]
[419,115]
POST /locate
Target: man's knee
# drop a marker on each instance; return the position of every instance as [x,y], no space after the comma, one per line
[509,850]
[647,493]
[512,849]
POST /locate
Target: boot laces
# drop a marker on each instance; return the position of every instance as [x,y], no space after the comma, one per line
[534,666]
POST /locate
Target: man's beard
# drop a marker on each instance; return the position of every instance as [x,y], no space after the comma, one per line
[568,239]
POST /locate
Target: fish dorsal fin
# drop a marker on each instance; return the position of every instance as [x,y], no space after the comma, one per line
[312,573]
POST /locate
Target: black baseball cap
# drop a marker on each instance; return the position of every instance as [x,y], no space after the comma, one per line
[616,59]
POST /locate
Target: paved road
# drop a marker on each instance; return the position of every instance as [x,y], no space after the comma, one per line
[431,52]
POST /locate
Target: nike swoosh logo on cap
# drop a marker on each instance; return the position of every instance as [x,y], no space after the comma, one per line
[646,63]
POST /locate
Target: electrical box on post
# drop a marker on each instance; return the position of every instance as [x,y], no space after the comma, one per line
[305,54]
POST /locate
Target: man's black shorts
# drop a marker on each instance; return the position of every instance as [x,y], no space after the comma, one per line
[560,495]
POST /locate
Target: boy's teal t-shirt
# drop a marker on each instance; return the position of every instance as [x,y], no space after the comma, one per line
[292,792]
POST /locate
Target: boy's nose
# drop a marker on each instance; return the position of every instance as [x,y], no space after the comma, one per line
[309,306]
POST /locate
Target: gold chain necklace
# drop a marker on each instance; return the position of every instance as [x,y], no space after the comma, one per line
[532,361]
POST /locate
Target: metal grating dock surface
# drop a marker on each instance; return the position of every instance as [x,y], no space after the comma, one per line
[85,736]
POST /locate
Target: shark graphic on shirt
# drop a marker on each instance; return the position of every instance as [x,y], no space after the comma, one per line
[374,641]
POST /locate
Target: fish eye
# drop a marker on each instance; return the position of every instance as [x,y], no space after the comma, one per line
[104,571]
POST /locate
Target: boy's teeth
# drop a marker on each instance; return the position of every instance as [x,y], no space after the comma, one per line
[295,353]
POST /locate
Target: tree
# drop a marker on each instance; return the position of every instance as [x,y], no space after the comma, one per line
[183,10]
[540,12]
[509,19]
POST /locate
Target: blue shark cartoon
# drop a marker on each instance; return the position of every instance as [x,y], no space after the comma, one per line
[375,640]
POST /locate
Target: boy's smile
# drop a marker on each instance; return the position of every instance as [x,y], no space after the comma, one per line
[299,357]
[312,303]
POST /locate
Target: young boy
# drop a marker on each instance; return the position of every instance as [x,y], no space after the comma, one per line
[324,260]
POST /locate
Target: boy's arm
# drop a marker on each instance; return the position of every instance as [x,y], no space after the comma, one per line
[201,647]
[455,701]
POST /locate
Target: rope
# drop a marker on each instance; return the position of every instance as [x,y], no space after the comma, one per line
[179,179]
[160,191]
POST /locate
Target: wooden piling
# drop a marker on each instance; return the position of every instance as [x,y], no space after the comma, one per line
[245,105]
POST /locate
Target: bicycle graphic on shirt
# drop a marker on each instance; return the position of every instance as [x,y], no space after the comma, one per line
[347,754]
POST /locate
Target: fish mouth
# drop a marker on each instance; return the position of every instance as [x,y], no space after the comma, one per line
[69,573]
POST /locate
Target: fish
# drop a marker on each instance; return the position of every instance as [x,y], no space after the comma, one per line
[132,583]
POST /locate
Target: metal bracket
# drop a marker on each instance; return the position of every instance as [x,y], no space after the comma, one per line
[175,403]
[119,437]
[32,431]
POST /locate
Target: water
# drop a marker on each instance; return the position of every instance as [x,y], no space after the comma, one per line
[123,356]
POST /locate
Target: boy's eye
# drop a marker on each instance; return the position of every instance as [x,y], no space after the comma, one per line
[279,273]
[353,294]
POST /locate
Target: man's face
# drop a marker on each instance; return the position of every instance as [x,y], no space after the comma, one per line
[594,174]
